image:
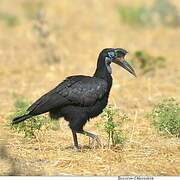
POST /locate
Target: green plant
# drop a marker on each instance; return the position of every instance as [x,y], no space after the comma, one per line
[161,12]
[9,19]
[167,12]
[166,116]
[111,128]
[33,125]
[134,15]
[146,62]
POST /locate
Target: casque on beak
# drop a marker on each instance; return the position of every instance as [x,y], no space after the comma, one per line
[119,60]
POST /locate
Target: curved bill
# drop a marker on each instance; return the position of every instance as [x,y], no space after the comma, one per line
[121,62]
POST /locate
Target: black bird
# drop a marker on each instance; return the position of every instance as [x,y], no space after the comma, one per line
[79,98]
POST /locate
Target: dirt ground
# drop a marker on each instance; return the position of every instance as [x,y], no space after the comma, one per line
[78,31]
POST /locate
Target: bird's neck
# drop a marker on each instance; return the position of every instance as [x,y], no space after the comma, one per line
[102,72]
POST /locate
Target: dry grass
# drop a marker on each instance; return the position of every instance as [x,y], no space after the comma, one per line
[79,31]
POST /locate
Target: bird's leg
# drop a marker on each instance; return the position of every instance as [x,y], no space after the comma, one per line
[93,136]
[76,146]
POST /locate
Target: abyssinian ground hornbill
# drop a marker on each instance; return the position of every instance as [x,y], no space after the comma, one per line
[79,98]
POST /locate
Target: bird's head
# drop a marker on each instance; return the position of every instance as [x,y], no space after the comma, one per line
[116,55]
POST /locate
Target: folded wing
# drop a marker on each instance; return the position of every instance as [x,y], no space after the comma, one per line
[75,90]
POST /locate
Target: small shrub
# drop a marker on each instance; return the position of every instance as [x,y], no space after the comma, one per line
[134,15]
[167,13]
[146,62]
[111,128]
[161,12]
[166,116]
[9,19]
[33,125]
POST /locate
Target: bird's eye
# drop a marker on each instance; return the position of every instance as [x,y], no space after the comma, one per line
[111,54]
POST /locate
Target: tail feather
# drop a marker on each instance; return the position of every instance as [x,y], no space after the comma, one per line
[21,118]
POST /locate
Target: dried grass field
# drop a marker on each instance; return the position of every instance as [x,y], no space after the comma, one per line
[77,32]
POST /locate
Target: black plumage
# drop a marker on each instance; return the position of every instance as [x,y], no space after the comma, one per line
[79,98]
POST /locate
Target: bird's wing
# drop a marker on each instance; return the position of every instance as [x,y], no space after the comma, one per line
[86,91]
[75,90]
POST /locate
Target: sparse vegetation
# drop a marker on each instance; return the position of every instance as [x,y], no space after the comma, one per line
[10,20]
[146,62]
[166,116]
[32,126]
[166,12]
[133,15]
[82,29]
[162,12]
[112,129]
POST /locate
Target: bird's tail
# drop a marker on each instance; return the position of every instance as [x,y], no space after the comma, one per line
[21,118]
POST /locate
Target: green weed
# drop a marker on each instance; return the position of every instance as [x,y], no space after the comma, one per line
[111,128]
[166,116]
[32,126]
[146,62]
[167,13]
[133,15]
[161,12]
[10,20]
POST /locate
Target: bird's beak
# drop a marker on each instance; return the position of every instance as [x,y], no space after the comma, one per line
[121,62]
